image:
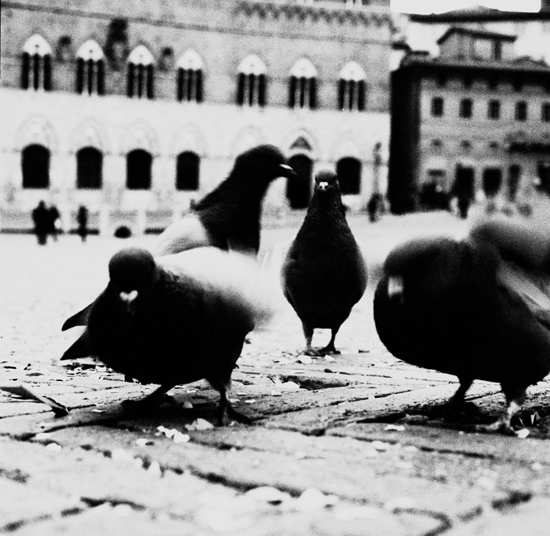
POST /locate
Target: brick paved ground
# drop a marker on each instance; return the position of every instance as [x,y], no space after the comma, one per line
[343,446]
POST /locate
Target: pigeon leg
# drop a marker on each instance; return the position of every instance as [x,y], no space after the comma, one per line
[514,400]
[330,348]
[150,401]
[226,407]
[456,403]
[308,334]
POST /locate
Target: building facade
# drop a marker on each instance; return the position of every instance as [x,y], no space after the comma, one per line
[473,120]
[136,108]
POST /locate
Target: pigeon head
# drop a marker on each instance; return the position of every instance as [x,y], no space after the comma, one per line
[326,182]
[264,162]
[132,271]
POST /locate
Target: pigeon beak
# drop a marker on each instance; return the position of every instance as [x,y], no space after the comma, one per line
[322,186]
[287,171]
[395,287]
[127,299]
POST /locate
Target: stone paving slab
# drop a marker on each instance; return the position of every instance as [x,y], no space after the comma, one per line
[346,445]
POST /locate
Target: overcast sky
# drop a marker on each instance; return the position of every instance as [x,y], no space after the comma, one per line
[438,6]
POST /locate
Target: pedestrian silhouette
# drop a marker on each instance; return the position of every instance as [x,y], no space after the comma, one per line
[53,221]
[40,217]
[82,220]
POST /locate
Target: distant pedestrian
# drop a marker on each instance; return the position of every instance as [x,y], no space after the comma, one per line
[82,220]
[463,204]
[54,221]
[40,216]
[374,207]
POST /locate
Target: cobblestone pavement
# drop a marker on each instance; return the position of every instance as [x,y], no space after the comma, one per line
[343,445]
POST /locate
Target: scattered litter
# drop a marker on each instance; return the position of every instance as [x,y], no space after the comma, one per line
[305,360]
[187,405]
[181,438]
[395,428]
[143,442]
[268,494]
[276,393]
[250,401]
[523,433]
[380,445]
[233,400]
[155,469]
[312,499]
[25,392]
[98,411]
[54,447]
[199,424]
[329,358]
[43,436]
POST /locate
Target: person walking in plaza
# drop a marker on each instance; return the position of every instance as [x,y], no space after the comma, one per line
[40,220]
[82,220]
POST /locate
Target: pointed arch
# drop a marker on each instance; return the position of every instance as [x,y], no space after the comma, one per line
[251,82]
[302,85]
[36,64]
[90,69]
[140,73]
[352,87]
[189,77]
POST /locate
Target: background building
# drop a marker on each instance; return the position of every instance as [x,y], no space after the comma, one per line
[474,119]
[135,108]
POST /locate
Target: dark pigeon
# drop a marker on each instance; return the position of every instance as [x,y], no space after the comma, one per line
[324,274]
[177,319]
[472,308]
[229,217]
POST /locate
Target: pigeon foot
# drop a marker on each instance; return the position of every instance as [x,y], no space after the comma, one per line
[497,426]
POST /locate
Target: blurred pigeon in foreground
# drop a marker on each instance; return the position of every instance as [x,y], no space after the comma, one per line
[476,308]
[324,274]
[177,319]
[229,216]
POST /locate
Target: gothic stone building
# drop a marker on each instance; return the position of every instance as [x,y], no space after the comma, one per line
[473,120]
[136,108]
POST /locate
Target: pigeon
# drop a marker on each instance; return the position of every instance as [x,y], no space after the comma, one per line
[473,308]
[177,319]
[324,273]
[229,217]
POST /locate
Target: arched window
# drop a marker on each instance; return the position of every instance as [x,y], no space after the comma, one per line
[303,85]
[36,67]
[352,87]
[89,168]
[251,84]
[90,69]
[189,78]
[140,73]
[349,175]
[139,164]
[298,190]
[35,165]
[187,171]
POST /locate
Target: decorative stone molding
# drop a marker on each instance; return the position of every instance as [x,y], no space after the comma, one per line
[314,13]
